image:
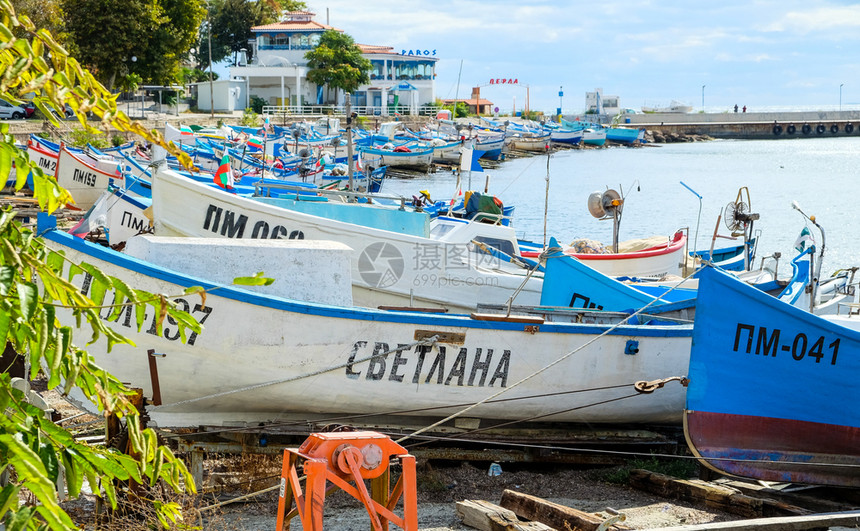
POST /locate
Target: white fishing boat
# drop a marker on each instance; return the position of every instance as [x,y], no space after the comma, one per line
[81,176]
[417,158]
[529,141]
[594,136]
[400,256]
[268,358]
[675,107]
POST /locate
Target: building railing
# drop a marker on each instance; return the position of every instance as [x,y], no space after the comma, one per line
[299,111]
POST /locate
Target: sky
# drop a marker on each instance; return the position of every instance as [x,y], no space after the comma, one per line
[765,54]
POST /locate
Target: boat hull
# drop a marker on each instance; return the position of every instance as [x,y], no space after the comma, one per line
[263,358]
[394,259]
[769,386]
[84,181]
[415,160]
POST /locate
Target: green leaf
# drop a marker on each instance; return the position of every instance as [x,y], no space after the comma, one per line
[110,492]
[156,466]
[19,520]
[27,296]
[5,319]
[22,170]
[74,478]
[5,161]
[7,275]
[56,519]
[55,261]
[8,499]
[49,459]
[256,280]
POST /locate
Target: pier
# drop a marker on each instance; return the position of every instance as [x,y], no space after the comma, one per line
[751,125]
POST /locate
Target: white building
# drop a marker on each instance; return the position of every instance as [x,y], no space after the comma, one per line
[598,103]
[278,71]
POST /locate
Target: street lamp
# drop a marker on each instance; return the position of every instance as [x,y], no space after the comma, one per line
[840,96]
[703,98]
[211,87]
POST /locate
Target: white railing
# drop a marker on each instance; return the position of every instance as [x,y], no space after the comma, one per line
[303,111]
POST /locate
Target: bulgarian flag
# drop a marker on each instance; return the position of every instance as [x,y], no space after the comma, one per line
[255,142]
[224,173]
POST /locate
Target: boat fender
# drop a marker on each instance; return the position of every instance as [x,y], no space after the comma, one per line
[849,128]
[777,129]
[806,129]
[820,129]
[791,129]
[834,129]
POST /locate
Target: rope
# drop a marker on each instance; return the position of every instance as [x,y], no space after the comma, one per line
[329,420]
[425,342]
[539,371]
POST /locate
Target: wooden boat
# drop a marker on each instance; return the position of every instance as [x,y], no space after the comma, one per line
[625,135]
[651,261]
[529,141]
[83,178]
[491,146]
[267,358]
[417,159]
[395,259]
[566,136]
[772,387]
[594,136]
[674,107]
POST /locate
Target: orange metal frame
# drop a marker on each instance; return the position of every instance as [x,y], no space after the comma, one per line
[347,459]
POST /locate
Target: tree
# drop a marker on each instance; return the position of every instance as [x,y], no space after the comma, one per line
[337,62]
[39,307]
[146,37]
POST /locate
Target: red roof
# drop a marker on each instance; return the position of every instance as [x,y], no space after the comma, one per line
[373,48]
[468,101]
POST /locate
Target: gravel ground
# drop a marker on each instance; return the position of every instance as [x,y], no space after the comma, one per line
[440,488]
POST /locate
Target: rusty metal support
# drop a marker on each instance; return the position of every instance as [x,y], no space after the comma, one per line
[153,376]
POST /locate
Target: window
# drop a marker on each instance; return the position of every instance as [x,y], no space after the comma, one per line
[502,245]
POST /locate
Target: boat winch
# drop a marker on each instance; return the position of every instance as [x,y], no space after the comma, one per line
[347,459]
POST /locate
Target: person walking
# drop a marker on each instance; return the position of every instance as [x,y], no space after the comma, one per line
[736,107]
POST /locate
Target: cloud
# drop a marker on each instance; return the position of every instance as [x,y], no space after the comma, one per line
[817,20]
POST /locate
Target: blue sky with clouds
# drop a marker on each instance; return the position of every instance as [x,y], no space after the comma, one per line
[758,53]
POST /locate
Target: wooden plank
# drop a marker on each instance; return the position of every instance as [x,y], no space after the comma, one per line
[713,496]
[810,501]
[782,523]
[487,516]
[552,514]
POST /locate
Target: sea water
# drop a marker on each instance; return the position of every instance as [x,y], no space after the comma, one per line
[821,174]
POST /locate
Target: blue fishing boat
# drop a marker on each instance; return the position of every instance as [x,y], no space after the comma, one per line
[624,135]
[772,388]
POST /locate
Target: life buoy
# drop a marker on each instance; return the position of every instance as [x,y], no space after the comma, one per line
[777,129]
[834,129]
[820,129]
[791,129]
[849,128]
[806,129]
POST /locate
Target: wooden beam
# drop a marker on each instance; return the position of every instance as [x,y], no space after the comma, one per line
[713,496]
[552,514]
[487,516]
[783,523]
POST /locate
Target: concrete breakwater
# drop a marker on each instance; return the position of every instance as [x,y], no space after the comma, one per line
[751,125]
